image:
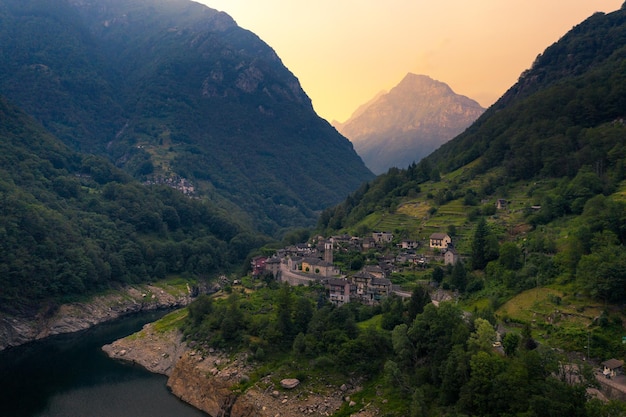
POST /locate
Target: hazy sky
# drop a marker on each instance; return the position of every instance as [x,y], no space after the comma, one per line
[346,51]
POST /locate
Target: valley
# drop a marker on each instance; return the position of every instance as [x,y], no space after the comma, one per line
[153,154]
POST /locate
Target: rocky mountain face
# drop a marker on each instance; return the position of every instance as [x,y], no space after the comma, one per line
[175,92]
[408,123]
[211,380]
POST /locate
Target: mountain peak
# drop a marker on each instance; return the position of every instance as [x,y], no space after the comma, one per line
[409,122]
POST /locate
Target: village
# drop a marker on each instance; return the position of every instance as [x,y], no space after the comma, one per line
[307,263]
[313,263]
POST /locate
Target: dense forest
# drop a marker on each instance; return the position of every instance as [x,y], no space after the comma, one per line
[173,89]
[72,224]
[421,359]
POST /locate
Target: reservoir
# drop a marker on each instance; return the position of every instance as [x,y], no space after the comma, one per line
[69,376]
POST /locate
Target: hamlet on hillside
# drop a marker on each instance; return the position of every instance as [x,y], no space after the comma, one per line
[313,263]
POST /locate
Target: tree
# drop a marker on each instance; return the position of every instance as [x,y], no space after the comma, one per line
[284,321]
[393,316]
[403,347]
[482,339]
[302,314]
[510,256]
[418,405]
[202,306]
[232,325]
[438,274]
[458,278]
[436,331]
[527,341]
[419,299]
[510,342]
[603,273]
[455,373]
[476,396]
[479,244]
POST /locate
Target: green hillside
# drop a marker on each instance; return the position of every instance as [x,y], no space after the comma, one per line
[72,224]
[553,150]
[173,91]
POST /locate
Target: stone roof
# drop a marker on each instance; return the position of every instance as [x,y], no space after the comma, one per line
[381,282]
[363,274]
[337,281]
[316,262]
[438,236]
[613,364]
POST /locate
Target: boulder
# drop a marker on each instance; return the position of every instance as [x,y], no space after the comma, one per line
[289,383]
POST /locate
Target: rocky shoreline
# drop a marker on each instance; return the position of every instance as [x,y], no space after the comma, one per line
[74,317]
[211,381]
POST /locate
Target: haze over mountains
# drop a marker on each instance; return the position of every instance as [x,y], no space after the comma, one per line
[408,123]
[560,128]
[173,91]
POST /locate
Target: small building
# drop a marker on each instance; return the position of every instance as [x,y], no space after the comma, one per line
[345,238]
[451,256]
[319,267]
[375,271]
[258,265]
[612,368]
[379,287]
[294,263]
[382,237]
[304,249]
[368,243]
[362,280]
[501,204]
[339,290]
[272,265]
[440,240]
[409,244]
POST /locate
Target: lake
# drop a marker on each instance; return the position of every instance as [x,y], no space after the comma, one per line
[69,376]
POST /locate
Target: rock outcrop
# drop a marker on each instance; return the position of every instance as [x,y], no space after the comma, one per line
[212,381]
[74,317]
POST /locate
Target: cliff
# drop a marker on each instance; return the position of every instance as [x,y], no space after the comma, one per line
[73,317]
[219,384]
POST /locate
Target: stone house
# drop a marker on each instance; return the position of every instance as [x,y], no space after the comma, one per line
[409,244]
[439,240]
[375,270]
[451,256]
[382,237]
[339,290]
[612,368]
[272,265]
[258,265]
[318,267]
[368,243]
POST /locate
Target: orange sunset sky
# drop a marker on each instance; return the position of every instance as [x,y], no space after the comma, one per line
[344,52]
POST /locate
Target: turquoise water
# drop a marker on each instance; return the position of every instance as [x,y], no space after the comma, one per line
[69,376]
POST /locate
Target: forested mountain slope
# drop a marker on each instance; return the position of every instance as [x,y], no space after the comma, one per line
[72,224]
[170,91]
[540,126]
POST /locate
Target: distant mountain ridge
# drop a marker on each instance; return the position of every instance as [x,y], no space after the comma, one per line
[171,89]
[408,123]
[561,126]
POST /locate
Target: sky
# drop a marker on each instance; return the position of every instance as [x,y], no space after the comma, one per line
[344,52]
